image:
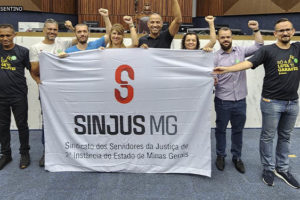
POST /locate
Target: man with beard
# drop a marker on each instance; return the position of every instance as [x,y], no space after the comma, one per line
[230,96]
[13,95]
[158,38]
[51,45]
[279,103]
[82,35]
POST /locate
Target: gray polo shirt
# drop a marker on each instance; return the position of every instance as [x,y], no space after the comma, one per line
[233,86]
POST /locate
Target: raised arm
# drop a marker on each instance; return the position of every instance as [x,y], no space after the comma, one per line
[35,72]
[252,24]
[234,68]
[69,25]
[212,32]
[104,13]
[134,38]
[174,27]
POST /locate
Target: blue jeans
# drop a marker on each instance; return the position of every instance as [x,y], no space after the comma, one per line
[235,112]
[277,116]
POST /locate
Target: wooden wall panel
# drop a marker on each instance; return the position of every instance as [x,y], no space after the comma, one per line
[261,7]
[210,7]
[246,7]
[88,9]
[58,6]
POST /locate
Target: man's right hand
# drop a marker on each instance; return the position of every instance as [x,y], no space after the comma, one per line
[144,46]
[63,54]
[68,25]
[103,12]
[209,18]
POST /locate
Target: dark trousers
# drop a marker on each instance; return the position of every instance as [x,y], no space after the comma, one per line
[19,108]
[235,112]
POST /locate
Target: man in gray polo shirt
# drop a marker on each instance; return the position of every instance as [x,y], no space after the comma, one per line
[230,97]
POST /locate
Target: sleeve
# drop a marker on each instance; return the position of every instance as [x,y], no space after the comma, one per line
[258,58]
[215,59]
[168,36]
[67,43]
[98,43]
[26,60]
[33,54]
[250,50]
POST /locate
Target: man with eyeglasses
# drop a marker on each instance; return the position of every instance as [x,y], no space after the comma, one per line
[51,45]
[279,103]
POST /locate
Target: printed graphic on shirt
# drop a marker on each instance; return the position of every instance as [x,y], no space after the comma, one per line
[5,64]
[285,66]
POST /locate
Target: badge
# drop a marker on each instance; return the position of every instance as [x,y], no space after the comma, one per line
[296,60]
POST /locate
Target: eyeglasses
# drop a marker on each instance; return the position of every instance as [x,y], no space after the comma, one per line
[283,30]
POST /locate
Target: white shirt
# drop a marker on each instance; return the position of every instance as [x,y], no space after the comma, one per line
[57,47]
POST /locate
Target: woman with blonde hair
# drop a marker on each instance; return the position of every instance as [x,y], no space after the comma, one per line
[116,35]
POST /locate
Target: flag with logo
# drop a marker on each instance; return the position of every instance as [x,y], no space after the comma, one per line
[128,110]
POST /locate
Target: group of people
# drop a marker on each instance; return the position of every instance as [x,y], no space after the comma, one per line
[279,103]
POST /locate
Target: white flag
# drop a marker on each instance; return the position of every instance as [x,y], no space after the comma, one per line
[128,110]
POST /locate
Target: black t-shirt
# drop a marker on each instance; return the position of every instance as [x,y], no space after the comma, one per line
[282,73]
[164,40]
[12,73]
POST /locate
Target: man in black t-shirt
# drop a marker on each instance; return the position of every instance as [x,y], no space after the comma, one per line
[279,103]
[13,95]
[158,38]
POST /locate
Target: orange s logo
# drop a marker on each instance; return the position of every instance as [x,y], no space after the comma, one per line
[124,84]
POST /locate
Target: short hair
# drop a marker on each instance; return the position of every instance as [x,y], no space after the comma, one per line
[224,29]
[50,21]
[184,38]
[156,14]
[7,26]
[82,25]
[282,20]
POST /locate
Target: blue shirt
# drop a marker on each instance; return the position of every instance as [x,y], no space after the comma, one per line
[233,86]
[91,45]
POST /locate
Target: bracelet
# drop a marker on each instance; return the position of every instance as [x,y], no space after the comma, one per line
[255,31]
[131,25]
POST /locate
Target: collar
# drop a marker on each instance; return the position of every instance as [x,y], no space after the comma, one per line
[223,52]
[149,37]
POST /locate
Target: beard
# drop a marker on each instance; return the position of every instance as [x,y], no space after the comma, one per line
[225,48]
[51,38]
[286,41]
[82,41]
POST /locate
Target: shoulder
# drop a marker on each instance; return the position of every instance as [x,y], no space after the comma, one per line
[296,44]
[37,45]
[63,43]
[21,48]
[145,37]
[102,39]
[219,52]
[166,33]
